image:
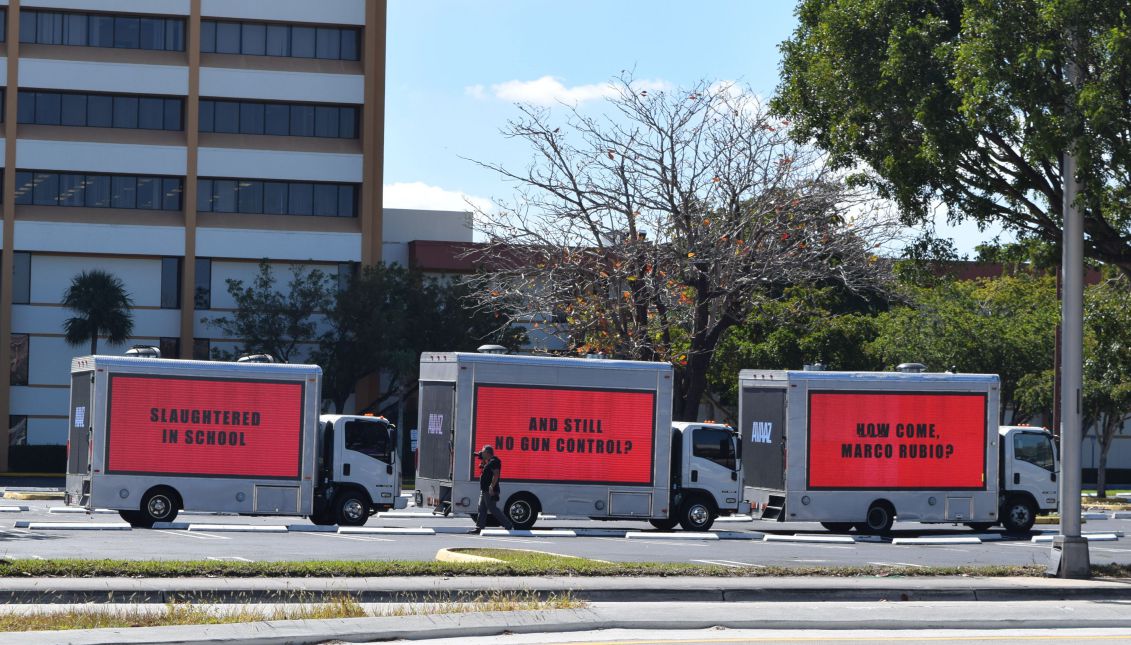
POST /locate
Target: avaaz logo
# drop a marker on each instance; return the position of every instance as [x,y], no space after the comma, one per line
[760,431]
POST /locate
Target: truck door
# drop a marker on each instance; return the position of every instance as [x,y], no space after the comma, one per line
[1031,466]
[762,426]
[79,438]
[369,458]
[437,415]
[713,465]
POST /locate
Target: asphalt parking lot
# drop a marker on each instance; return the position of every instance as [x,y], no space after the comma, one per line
[46,529]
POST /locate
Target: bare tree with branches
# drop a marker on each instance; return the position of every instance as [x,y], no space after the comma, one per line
[649,231]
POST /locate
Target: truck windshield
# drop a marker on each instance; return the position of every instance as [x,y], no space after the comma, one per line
[714,444]
[369,438]
[1034,448]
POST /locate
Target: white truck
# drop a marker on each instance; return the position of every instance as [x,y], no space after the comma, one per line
[150,437]
[858,449]
[577,438]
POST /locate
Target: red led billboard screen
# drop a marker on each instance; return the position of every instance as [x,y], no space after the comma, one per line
[568,435]
[187,426]
[897,440]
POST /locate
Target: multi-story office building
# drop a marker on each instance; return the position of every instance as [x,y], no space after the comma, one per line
[175,143]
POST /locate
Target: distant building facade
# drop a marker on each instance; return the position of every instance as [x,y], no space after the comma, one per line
[175,144]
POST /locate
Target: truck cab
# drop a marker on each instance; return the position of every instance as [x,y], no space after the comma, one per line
[358,470]
[1029,468]
[706,476]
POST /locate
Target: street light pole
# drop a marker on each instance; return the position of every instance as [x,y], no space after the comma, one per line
[1069,558]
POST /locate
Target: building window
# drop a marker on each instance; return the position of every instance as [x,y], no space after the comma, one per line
[19,345]
[3,24]
[201,349]
[170,283]
[17,430]
[149,192]
[346,273]
[100,110]
[101,30]
[276,197]
[170,347]
[21,278]
[294,41]
[203,290]
[281,119]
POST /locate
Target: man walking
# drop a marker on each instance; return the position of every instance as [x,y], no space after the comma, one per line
[492,469]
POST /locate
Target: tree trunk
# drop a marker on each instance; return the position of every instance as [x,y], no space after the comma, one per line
[1101,470]
[93,344]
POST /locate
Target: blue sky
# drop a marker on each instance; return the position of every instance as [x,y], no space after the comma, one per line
[455,69]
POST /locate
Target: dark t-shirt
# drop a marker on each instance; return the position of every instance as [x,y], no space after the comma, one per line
[489,466]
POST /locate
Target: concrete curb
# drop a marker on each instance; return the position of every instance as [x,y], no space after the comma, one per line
[450,555]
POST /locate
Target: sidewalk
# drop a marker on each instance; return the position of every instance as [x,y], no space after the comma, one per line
[600,616]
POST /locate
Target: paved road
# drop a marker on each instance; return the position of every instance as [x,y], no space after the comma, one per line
[800,637]
[747,547]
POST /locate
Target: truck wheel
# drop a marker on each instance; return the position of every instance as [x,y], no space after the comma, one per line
[837,527]
[880,517]
[323,519]
[351,508]
[157,505]
[1018,515]
[665,524]
[522,510]
[696,514]
[133,518]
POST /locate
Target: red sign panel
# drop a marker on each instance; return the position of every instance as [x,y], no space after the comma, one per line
[568,435]
[187,426]
[897,440]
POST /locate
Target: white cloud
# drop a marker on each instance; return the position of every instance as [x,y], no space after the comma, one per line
[550,90]
[419,195]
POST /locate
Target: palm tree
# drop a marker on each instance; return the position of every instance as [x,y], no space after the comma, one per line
[103,307]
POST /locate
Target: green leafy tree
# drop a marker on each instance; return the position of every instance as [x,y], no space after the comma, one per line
[967,104]
[1107,366]
[1003,326]
[102,308]
[806,325]
[274,321]
[385,318]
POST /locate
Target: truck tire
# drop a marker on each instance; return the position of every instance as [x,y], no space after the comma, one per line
[837,527]
[157,505]
[1018,514]
[696,514]
[522,510]
[665,524]
[351,508]
[323,519]
[881,515]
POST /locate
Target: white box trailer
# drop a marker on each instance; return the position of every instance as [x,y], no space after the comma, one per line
[857,449]
[577,438]
[149,437]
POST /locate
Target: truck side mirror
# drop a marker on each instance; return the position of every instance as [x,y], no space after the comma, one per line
[1052,476]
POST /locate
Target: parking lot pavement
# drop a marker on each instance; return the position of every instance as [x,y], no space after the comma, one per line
[43,531]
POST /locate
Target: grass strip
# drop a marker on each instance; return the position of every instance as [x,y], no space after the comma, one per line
[516,566]
[338,606]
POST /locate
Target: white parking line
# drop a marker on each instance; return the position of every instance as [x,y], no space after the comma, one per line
[899,564]
[510,539]
[195,534]
[356,538]
[731,563]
